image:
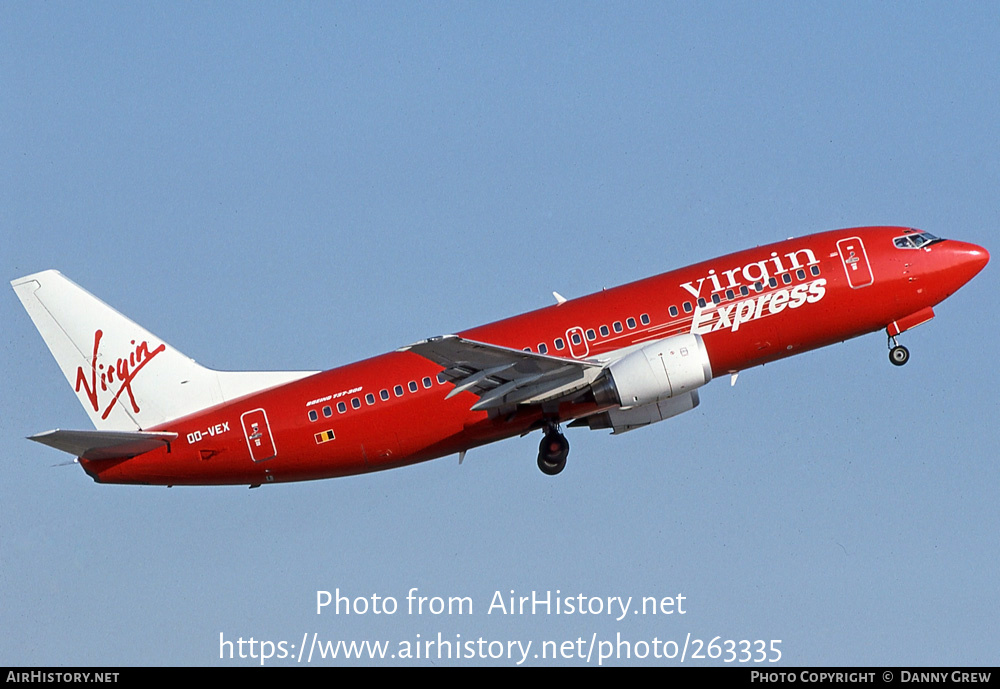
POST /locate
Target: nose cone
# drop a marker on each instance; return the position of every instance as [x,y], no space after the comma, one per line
[979,256]
[972,258]
[965,261]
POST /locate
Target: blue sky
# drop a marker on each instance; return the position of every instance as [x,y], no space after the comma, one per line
[300,185]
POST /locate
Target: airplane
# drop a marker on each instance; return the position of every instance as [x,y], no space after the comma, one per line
[618,359]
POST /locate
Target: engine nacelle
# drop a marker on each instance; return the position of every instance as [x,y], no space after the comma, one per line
[622,420]
[658,371]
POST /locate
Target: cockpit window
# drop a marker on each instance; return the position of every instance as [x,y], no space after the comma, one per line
[917,240]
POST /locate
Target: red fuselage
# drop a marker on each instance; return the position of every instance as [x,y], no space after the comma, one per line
[756,306]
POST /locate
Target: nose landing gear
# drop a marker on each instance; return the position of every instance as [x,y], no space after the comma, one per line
[898,354]
[552,451]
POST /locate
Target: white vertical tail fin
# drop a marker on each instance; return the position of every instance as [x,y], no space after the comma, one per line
[125,377]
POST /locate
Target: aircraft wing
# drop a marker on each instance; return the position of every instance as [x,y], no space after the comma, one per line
[503,377]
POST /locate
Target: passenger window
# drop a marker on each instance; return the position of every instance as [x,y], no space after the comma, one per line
[644,318]
[800,274]
[543,348]
[313,416]
[591,335]
[370,398]
[759,286]
[701,302]
[426,381]
[576,338]
[604,331]
[630,322]
[730,294]
[384,394]
[814,270]
[673,310]
[398,390]
[341,407]
[617,325]
[356,403]
[744,291]
[441,379]
[413,386]
[560,344]
[773,282]
[716,299]
[327,412]
[688,308]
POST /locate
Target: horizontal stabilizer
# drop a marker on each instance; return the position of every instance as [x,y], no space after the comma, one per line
[104,444]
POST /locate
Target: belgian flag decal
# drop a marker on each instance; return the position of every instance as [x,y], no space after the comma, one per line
[323,437]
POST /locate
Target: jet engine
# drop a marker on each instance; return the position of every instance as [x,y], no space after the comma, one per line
[652,383]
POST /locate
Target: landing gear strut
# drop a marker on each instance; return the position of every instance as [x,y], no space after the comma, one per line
[552,451]
[898,354]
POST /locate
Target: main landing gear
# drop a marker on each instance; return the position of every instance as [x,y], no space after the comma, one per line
[552,451]
[898,354]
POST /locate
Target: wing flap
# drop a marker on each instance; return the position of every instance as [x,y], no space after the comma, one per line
[501,376]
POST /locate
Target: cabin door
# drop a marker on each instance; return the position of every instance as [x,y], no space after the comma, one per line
[258,434]
[855,260]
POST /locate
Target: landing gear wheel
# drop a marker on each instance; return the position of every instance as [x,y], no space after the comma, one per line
[899,355]
[551,468]
[552,453]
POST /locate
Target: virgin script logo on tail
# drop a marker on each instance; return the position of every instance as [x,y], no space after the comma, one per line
[123,372]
